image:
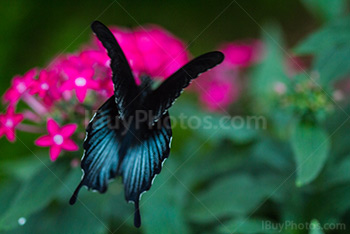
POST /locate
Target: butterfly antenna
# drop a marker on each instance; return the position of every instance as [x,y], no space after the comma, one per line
[74,197]
[137,216]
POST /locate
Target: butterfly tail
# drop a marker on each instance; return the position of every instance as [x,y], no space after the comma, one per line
[137,216]
[74,197]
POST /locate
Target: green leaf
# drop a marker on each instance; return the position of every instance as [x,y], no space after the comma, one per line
[315,227]
[213,127]
[337,173]
[232,195]
[162,206]
[331,47]
[333,63]
[8,190]
[62,218]
[326,9]
[311,146]
[23,169]
[334,34]
[328,206]
[237,129]
[35,193]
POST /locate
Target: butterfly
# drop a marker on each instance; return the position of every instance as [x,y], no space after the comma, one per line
[118,143]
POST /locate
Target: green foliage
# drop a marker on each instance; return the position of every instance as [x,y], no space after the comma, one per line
[311,146]
[35,194]
[330,46]
[326,9]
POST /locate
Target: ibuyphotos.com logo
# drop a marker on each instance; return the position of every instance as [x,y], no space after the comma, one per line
[294,226]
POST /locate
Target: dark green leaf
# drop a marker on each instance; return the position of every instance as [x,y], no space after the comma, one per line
[35,193]
[335,34]
[233,195]
[333,63]
[311,147]
[162,206]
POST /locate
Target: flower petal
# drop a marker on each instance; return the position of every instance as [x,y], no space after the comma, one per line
[81,93]
[68,130]
[69,145]
[10,135]
[52,127]
[44,141]
[55,152]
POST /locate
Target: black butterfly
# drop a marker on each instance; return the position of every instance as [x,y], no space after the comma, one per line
[117,143]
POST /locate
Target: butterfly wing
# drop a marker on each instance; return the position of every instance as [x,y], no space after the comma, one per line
[144,160]
[125,89]
[101,145]
[161,99]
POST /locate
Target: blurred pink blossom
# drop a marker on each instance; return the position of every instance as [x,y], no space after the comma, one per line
[242,54]
[8,123]
[220,87]
[151,51]
[20,85]
[46,86]
[58,138]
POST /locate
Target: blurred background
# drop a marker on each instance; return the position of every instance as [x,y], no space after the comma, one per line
[237,182]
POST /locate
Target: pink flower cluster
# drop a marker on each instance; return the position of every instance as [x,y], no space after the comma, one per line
[61,93]
[221,85]
[70,84]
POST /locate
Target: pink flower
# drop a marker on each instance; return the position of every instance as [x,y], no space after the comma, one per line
[46,86]
[80,80]
[151,51]
[217,94]
[58,138]
[19,86]
[242,54]
[93,57]
[106,87]
[8,123]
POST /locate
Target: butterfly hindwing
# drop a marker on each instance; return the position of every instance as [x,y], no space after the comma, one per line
[144,159]
[102,144]
[161,99]
[125,89]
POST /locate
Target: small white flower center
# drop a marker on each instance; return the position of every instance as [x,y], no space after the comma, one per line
[80,81]
[21,87]
[44,86]
[58,139]
[9,123]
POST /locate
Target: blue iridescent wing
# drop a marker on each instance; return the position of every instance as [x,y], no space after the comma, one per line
[161,99]
[101,145]
[126,91]
[144,159]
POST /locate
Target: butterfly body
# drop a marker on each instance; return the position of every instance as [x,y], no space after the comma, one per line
[130,134]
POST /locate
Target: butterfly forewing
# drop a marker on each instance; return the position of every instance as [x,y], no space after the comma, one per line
[125,89]
[161,99]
